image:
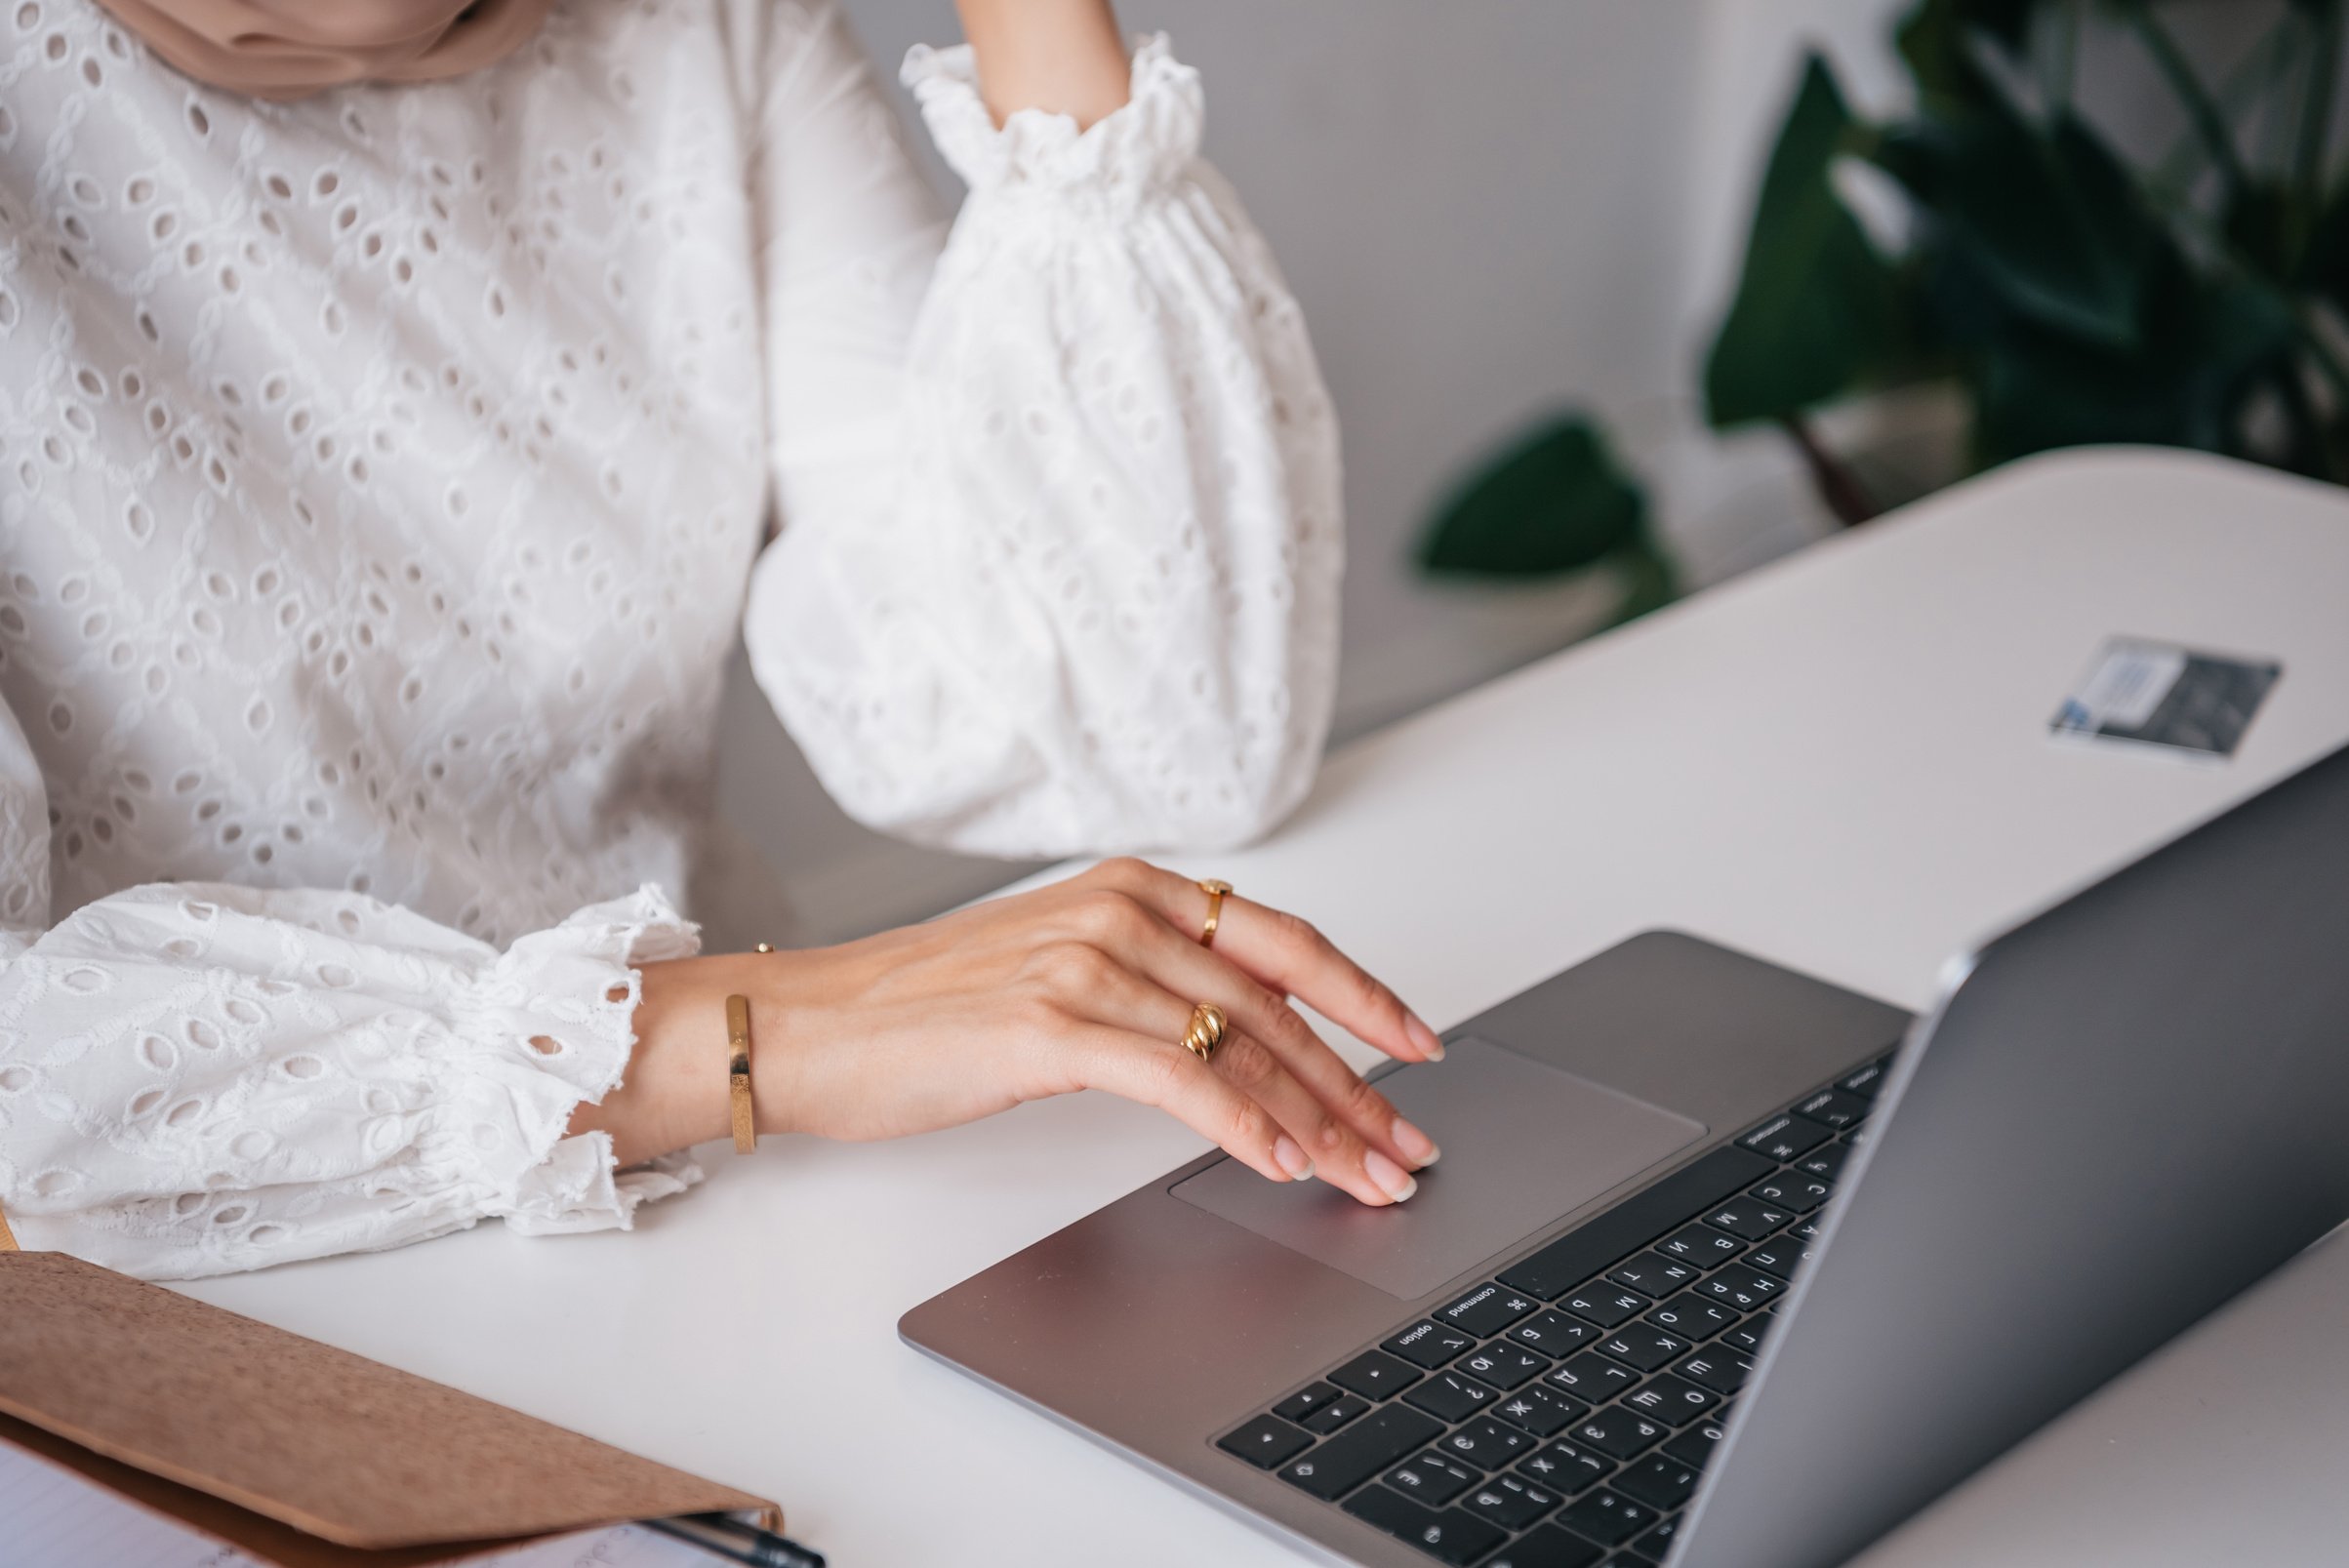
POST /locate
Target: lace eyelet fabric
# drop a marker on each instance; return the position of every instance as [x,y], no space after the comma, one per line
[385,477]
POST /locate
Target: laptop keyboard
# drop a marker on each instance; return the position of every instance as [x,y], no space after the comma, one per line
[1559,1415]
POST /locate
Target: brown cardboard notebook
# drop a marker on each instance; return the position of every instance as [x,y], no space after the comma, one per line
[291,1450]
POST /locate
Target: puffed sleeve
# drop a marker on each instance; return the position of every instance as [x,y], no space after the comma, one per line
[1061,539]
[196,1078]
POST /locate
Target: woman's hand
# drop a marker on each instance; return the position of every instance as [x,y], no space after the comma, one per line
[1088,983]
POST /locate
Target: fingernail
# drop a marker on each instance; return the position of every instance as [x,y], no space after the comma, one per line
[1417,1146]
[1422,1037]
[1290,1158]
[1389,1176]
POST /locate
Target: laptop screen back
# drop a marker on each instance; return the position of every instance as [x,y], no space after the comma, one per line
[2130,1109]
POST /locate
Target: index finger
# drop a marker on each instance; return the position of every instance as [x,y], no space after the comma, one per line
[1287,953]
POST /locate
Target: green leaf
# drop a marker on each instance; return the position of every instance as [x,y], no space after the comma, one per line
[2187,384]
[1936,39]
[2006,20]
[2269,228]
[2244,333]
[2052,218]
[2038,391]
[2325,266]
[1551,501]
[1816,306]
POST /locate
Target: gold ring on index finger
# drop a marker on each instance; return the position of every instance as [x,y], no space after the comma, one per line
[1215,888]
[1206,1031]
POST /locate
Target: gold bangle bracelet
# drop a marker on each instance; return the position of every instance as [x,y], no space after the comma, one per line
[738,1068]
[738,1073]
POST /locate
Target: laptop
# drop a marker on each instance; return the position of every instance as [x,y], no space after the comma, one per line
[1725,1267]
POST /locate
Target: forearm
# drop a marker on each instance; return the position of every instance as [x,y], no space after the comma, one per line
[1090,982]
[676,1091]
[1063,57]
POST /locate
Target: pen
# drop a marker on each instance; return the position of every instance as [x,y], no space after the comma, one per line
[731,1539]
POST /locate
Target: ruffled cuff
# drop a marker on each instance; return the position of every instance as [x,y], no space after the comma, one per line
[550,1023]
[1143,146]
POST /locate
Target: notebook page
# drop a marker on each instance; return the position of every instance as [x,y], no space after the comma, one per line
[56,1518]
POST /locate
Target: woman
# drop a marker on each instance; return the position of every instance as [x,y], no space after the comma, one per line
[390,399]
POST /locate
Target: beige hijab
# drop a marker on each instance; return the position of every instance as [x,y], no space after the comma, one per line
[293,47]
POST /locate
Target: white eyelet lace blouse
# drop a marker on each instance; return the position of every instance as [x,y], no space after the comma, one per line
[381,485]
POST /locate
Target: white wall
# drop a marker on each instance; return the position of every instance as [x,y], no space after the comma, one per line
[1488,208]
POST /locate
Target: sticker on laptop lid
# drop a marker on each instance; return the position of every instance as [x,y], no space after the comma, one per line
[2159,694]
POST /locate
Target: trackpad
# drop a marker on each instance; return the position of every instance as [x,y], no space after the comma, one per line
[1522,1144]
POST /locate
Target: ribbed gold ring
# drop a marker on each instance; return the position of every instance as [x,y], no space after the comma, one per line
[1206,1031]
[1215,889]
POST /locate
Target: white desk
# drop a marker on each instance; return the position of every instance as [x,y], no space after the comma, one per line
[1839,763]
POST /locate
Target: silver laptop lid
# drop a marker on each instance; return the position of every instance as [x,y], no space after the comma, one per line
[2123,1112]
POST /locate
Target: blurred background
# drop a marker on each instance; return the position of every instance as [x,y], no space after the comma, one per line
[1497,213]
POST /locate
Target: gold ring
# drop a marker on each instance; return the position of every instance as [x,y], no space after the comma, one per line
[1215,890]
[1206,1031]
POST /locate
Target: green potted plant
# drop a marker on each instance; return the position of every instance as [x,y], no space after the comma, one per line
[2064,294]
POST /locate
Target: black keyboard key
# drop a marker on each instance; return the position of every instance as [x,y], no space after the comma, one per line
[1432,1478]
[1554,1332]
[1510,1501]
[1805,1231]
[1696,1446]
[1616,1432]
[1746,1338]
[1672,1400]
[1451,1395]
[1565,1466]
[1778,1256]
[1838,1109]
[1376,1441]
[1826,1162]
[1701,1245]
[1743,1288]
[1503,1365]
[1337,1413]
[1590,1376]
[1657,1543]
[1660,1483]
[1691,1315]
[1485,1443]
[1716,1367]
[1448,1536]
[1374,1374]
[1748,1218]
[1540,1411]
[1603,1304]
[1548,1547]
[1792,1190]
[1264,1442]
[1426,1345]
[1782,1138]
[1607,1518]
[1866,1081]
[1605,1240]
[1642,1346]
[1653,1273]
[1486,1310]
[1305,1400]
